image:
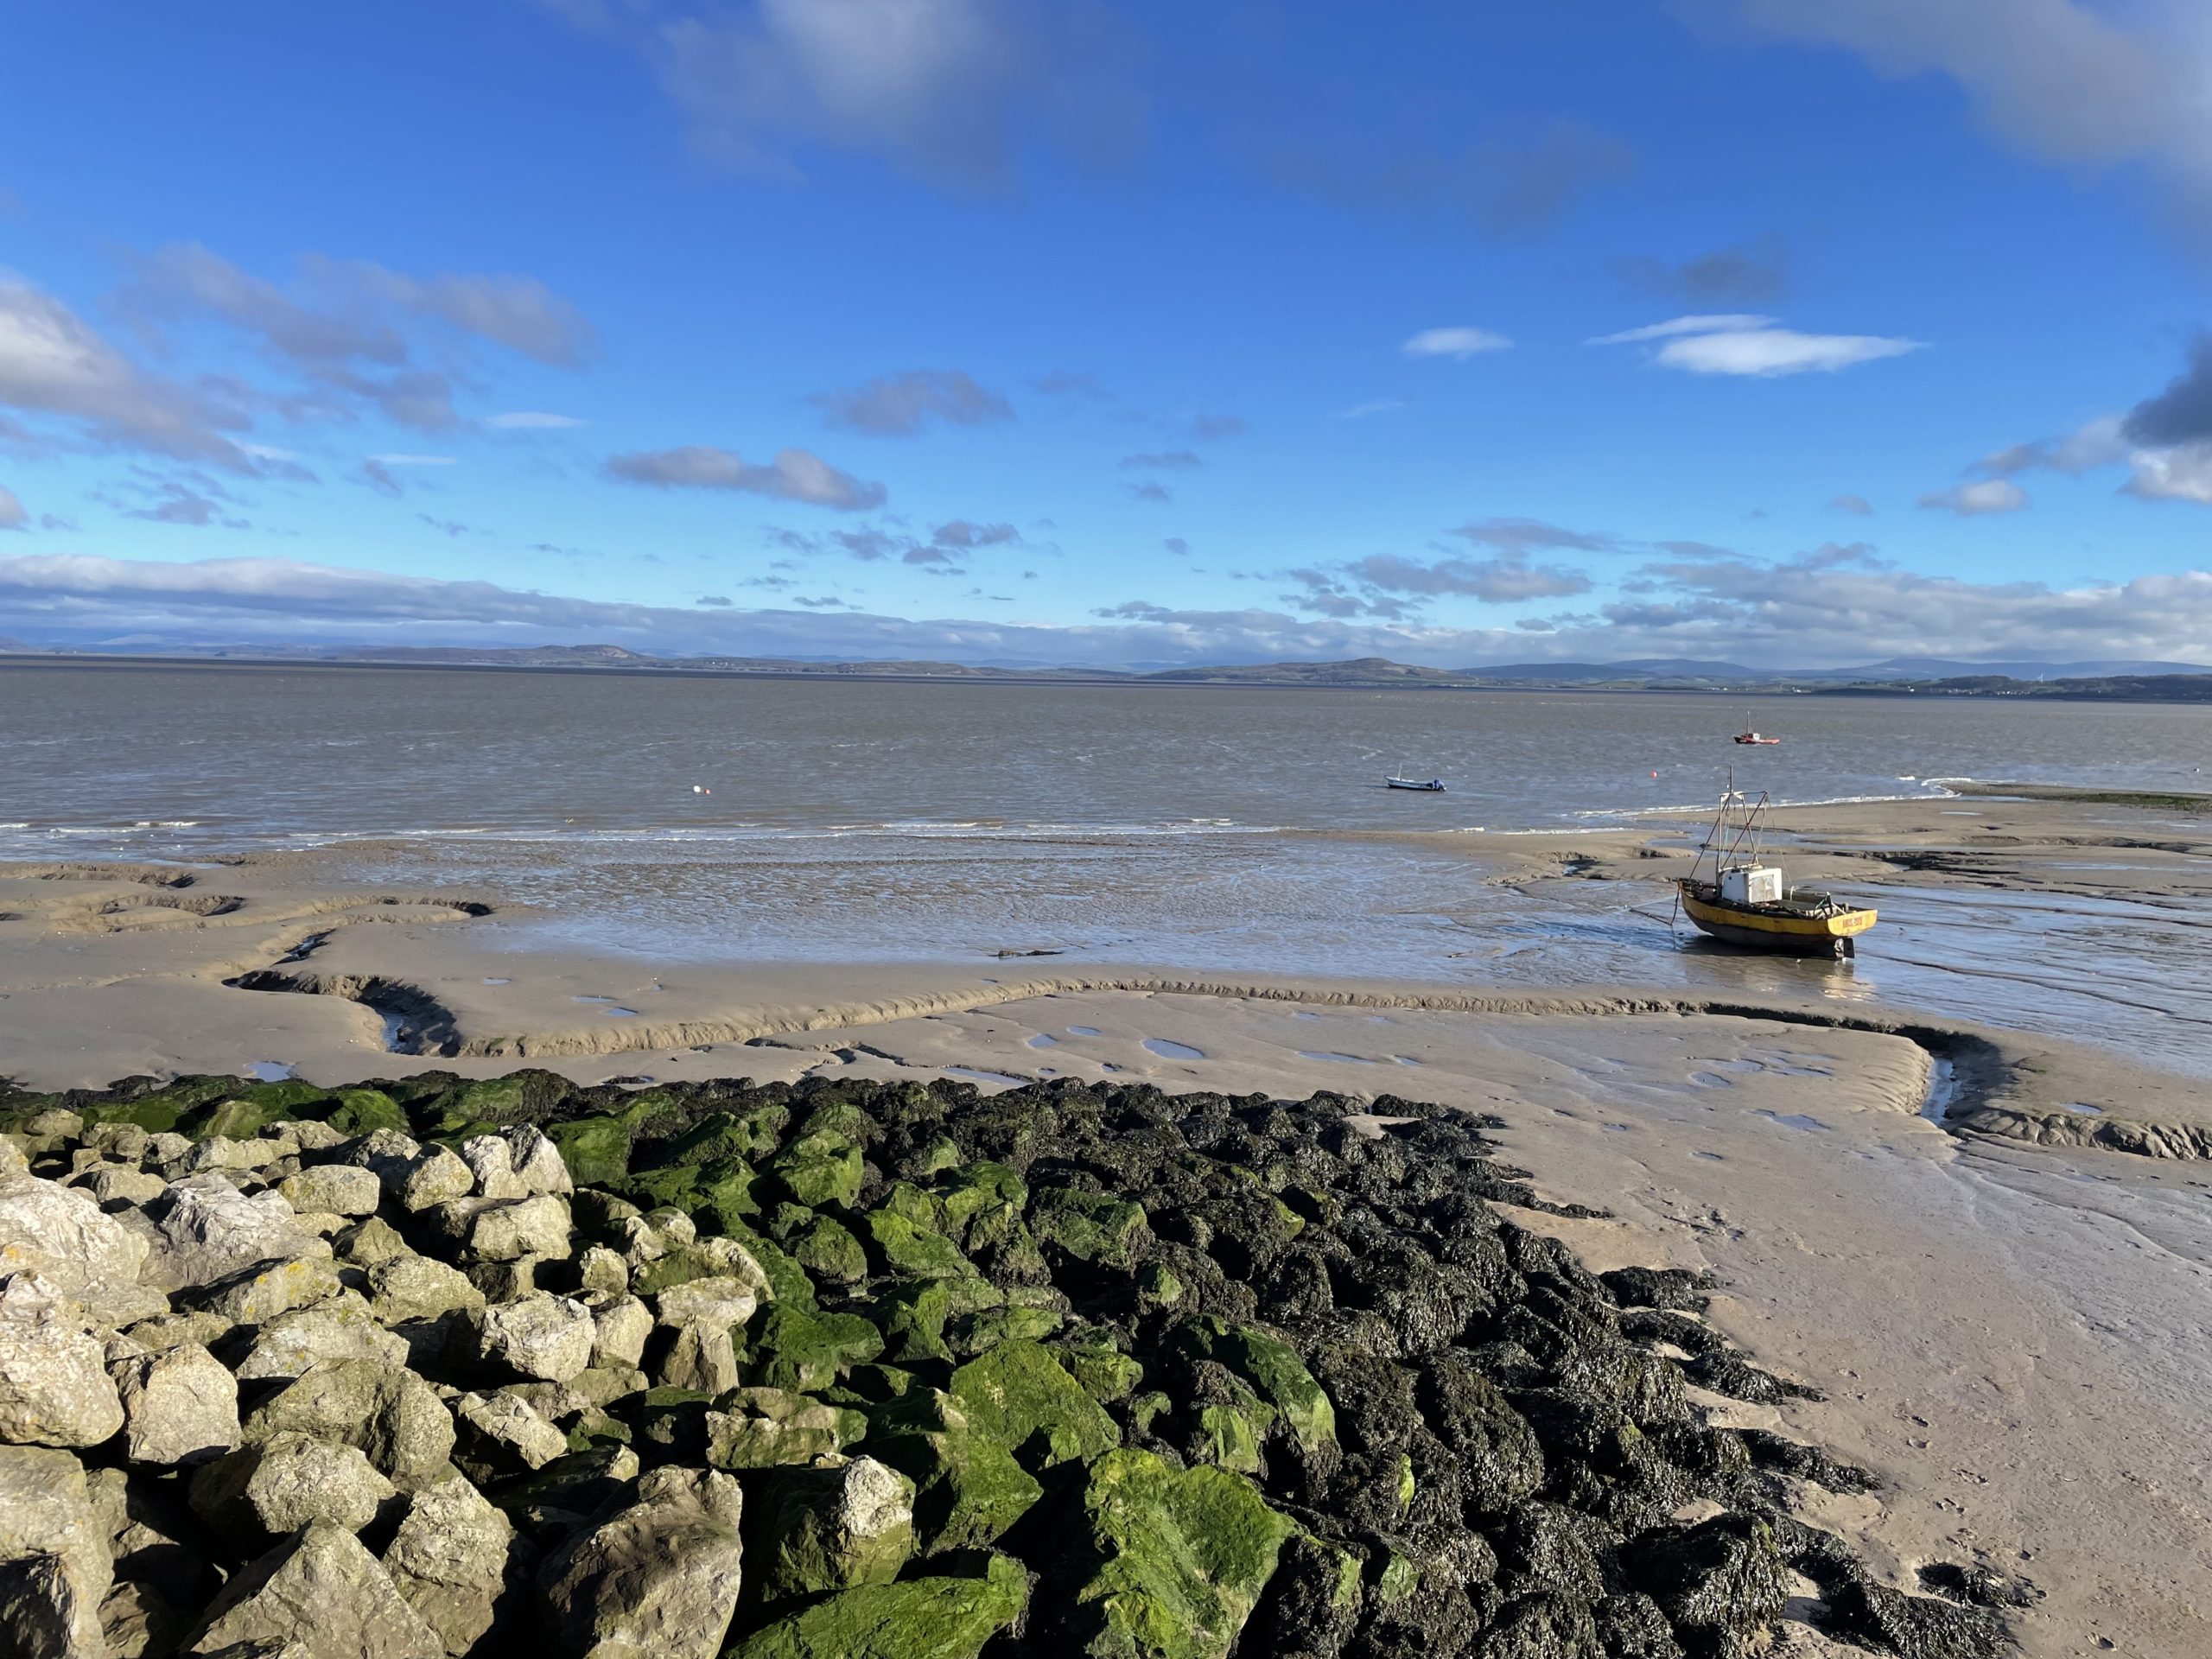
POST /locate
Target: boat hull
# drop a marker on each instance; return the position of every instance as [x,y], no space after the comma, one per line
[1760,928]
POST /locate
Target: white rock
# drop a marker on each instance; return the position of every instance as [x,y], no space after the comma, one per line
[334,1189]
[720,1301]
[541,1336]
[701,1357]
[269,1288]
[448,1558]
[47,1510]
[538,1162]
[290,1481]
[506,1430]
[416,1287]
[179,1406]
[661,1578]
[345,1327]
[207,1230]
[59,1234]
[491,1163]
[621,1327]
[55,1389]
[324,1592]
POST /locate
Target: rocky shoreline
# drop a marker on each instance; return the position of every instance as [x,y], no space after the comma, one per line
[443,1366]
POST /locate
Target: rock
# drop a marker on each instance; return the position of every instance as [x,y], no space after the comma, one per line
[393,1416]
[506,1229]
[434,1177]
[736,1440]
[343,1327]
[412,1288]
[914,1252]
[817,1169]
[490,1166]
[1182,1556]
[827,1529]
[179,1406]
[920,1619]
[1725,1574]
[123,1184]
[600,1268]
[1918,1627]
[322,1592]
[1271,1366]
[1310,1605]
[449,1561]
[703,1358]
[499,1434]
[372,1243]
[620,1326]
[42,1613]
[658,1578]
[55,1389]
[1020,1396]
[718,1300]
[805,1351]
[969,1488]
[55,1552]
[540,1335]
[59,1234]
[1093,1227]
[537,1161]
[207,1230]
[334,1189]
[287,1482]
[261,1292]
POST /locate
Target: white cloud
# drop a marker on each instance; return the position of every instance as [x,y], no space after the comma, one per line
[519,313]
[2061,81]
[53,364]
[1988,495]
[793,475]
[1457,343]
[1755,346]
[2180,474]
[415,461]
[1770,352]
[1731,322]
[1499,581]
[533,420]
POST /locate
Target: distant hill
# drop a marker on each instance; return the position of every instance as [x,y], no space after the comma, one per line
[1638,669]
[1362,671]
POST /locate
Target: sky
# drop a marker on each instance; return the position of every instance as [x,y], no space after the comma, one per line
[1788,333]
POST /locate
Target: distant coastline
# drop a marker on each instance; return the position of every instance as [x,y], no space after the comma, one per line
[1369,674]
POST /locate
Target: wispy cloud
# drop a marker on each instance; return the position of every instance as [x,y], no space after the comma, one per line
[1167,461]
[1755,346]
[1457,343]
[533,420]
[793,475]
[1986,496]
[900,405]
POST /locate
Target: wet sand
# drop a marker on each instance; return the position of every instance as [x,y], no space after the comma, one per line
[2013,1334]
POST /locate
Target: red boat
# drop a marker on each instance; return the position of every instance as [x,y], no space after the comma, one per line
[1753,737]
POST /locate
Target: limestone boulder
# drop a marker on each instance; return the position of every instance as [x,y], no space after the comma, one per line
[537,1161]
[55,1389]
[620,1326]
[179,1406]
[334,1189]
[55,1568]
[491,1163]
[660,1576]
[500,1436]
[411,1288]
[61,1234]
[343,1327]
[540,1335]
[289,1481]
[451,1559]
[322,1592]
[393,1416]
[205,1230]
[829,1527]
[257,1294]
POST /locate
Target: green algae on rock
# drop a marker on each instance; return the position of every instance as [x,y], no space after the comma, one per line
[917,1619]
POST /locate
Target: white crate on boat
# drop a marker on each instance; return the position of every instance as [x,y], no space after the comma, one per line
[1752,884]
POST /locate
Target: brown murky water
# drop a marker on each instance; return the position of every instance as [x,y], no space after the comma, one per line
[1212,829]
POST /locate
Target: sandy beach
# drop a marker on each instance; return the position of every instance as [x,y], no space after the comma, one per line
[2006,1310]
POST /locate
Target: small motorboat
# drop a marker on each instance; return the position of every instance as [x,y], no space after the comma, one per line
[1431,785]
[1754,737]
[1747,903]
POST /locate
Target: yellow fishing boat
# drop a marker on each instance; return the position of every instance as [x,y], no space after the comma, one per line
[1747,903]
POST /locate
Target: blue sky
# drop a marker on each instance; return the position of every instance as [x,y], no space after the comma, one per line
[1010,331]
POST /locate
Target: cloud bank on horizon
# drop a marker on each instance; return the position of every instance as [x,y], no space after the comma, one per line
[1116,335]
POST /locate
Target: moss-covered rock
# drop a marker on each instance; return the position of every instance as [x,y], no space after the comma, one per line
[820,1167]
[364,1111]
[914,1251]
[595,1149]
[969,1490]
[1271,1366]
[980,1332]
[1092,1227]
[1021,1397]
[826,1249]
[815,1530]
[1181,1558]
[919,1618]
[248,1112]
[802,1350]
